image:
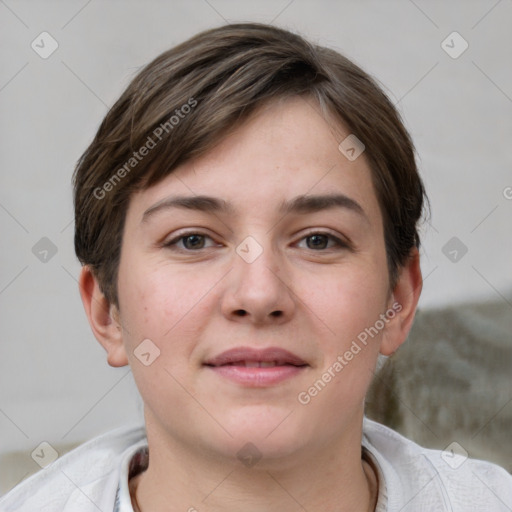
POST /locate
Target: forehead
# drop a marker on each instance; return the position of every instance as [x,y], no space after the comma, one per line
[287,148]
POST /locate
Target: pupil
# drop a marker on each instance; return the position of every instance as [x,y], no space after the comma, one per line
[317,242]
[194,241]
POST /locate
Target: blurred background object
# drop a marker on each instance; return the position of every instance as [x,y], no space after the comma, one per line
[452,381]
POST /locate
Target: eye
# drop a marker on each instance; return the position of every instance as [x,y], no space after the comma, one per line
[190,242]
[321,241]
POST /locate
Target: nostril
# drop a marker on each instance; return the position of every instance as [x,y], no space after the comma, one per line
[243,312]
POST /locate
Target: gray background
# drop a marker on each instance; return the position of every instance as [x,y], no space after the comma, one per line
[55,384]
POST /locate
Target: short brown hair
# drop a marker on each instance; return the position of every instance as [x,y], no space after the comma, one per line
[222,75]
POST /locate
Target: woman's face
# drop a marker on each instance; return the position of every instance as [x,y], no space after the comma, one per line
[273,240]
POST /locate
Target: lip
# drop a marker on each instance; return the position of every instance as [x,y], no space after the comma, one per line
[231,364]
[250,354]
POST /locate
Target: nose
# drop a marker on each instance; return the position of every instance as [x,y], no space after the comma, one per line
[258,292]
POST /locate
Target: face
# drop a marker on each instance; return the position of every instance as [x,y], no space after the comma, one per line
[274,240]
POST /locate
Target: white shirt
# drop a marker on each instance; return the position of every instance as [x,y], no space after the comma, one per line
[95,477]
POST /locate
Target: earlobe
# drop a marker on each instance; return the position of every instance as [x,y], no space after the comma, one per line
[404,301]
[103,318]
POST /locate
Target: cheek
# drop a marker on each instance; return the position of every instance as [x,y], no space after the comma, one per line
[166,308]
[152,301]
[170,308]
[348,305]
[346,299]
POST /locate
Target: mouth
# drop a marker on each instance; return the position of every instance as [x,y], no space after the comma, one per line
[257,367]
[258,364]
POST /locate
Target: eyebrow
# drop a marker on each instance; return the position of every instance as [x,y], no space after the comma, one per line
[301,204]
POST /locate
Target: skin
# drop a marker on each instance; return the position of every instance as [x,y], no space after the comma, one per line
[308,295]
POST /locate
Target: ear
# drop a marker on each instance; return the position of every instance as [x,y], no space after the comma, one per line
[103,318]
[403,302]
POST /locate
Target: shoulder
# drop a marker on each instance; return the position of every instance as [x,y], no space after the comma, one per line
[417,478]
[84,479]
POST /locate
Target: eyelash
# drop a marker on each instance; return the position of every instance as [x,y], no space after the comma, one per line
[172,244]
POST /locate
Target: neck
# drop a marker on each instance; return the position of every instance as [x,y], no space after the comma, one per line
[331,477]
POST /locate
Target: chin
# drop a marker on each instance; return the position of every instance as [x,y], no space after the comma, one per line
[273,431]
